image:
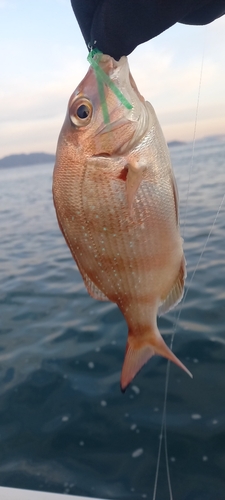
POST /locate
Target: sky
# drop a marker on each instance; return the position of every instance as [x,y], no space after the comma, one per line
[43,58]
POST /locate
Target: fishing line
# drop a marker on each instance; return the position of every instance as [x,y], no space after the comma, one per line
[204,246]
[163,430]
[194,132]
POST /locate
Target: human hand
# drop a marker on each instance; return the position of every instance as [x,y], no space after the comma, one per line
[116,27]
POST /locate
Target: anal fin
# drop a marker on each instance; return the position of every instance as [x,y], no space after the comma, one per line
[92,288]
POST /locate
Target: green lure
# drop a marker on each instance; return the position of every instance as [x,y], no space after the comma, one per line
[102,78]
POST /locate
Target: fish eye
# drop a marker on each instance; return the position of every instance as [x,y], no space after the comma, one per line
[80,112]
[83,111]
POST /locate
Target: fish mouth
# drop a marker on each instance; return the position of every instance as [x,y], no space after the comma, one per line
[127,127]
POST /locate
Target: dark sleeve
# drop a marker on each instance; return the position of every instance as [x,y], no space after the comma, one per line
[118,26]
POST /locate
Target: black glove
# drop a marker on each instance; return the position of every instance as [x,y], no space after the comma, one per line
[116,27]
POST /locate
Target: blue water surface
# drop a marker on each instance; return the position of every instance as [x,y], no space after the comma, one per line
[64,424]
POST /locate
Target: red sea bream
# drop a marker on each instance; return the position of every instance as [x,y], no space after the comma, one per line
[117,206]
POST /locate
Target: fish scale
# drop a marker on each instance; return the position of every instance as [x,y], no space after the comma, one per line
[131,245]
[116,202]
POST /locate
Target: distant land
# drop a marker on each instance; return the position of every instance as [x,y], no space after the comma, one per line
[203,140]
[22,160]
[171,144]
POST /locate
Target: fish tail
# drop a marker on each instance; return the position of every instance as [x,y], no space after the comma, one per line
[138,353]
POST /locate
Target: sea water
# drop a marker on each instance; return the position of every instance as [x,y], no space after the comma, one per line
[64,424]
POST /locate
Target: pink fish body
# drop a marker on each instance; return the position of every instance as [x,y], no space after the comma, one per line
[116,202]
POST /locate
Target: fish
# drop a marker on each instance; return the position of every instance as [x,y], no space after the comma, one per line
[116,202]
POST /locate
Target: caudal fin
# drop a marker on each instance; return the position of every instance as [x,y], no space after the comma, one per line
[137,356]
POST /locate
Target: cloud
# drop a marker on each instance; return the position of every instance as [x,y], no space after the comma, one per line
[33,110]
[39,74]
[177,74]
[30,135]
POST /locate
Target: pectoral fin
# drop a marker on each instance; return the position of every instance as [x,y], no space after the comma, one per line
[132,184]
[133,181]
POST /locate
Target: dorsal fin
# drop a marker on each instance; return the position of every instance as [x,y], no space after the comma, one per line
[175,195]
[176,293]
